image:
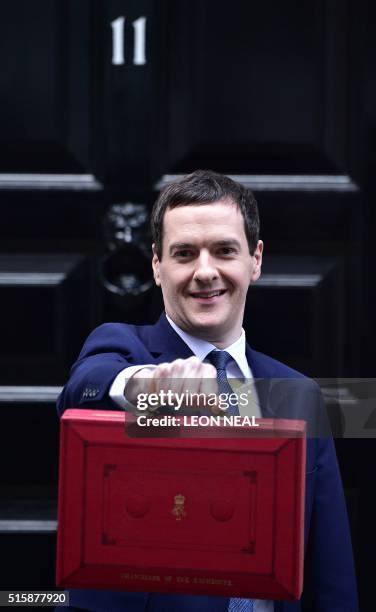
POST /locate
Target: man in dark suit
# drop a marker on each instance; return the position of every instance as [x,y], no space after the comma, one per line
[206,253]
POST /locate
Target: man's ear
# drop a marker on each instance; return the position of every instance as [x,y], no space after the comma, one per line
[257,262]
[155,265]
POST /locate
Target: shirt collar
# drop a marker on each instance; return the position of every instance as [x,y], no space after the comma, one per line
[202,348]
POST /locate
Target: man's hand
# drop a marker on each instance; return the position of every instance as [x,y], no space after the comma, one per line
[179,377]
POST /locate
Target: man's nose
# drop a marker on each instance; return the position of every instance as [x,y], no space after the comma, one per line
[205,270]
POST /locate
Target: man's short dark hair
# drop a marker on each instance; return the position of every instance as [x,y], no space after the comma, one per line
[205,187]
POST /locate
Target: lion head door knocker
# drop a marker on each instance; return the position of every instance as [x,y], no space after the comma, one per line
[178,510]
[124,270]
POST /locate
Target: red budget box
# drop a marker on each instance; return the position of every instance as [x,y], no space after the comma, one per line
[218,515]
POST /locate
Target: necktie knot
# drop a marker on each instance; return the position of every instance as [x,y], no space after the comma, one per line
[219,359]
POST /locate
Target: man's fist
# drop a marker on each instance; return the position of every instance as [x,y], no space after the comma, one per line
[183,377]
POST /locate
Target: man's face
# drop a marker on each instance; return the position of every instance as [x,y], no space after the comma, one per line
[206,269]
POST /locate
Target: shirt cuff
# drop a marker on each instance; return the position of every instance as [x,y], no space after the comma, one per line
[117,390]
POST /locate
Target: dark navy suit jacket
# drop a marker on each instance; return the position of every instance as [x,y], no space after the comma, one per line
[329,582]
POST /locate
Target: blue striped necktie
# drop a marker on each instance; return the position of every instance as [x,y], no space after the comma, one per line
[240,605]
[220,359]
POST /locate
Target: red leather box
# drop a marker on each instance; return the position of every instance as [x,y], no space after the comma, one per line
[221,515]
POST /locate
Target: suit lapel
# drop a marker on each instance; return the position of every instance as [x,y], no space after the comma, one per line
[165,344]
[263,375]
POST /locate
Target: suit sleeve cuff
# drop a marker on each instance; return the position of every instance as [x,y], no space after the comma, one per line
[118,387]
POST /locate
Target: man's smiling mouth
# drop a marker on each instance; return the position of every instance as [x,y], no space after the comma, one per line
[207,295]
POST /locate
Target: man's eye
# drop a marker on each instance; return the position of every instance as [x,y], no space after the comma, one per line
[226,251]
[183,254]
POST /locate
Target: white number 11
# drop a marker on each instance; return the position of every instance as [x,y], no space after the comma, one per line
[118,31]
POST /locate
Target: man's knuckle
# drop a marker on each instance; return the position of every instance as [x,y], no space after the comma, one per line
[162,369]
[210,370]
[195,359]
